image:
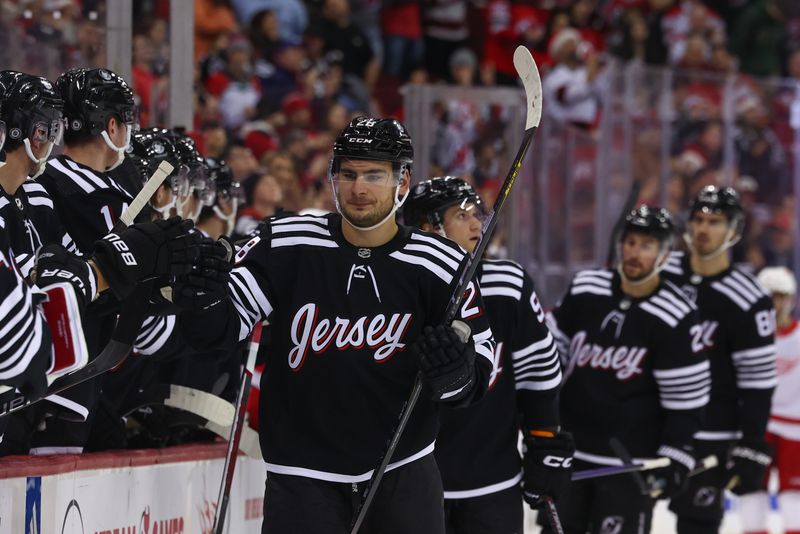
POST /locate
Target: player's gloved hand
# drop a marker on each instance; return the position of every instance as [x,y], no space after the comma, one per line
[666,482]
[55,265]
[145,250]
[747,465]
[447,361]
[207,283]
[547,466]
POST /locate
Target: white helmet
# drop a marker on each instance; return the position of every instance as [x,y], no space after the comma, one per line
[778,280]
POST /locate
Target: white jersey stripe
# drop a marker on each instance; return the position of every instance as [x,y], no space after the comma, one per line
[500,291]
[81,182]
[449,250]
[417,260]
[284,228]
[702,367]
[433,253]
[492,278]
[658,312]
[739,301]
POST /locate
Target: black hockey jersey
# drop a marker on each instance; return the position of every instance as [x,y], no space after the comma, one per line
[30,222]
[476,449]
[89,203]
[24,337]
[340,318]
[738,333]
[632,368]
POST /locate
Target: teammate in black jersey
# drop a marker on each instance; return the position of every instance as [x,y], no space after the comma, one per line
[737,330]
[634,371]
[354,304]
[476,449]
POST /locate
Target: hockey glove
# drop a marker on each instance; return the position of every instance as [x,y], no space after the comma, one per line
[747,465]
[207,283]
[667,482]
[55,265]
[447,363]
[145,250]
[547,467]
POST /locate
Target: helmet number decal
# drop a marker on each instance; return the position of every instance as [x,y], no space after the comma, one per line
[366,122]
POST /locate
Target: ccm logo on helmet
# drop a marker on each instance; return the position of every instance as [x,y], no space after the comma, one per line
[557,461]
[361,140]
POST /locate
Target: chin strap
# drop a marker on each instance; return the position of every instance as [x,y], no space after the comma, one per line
[397,203]
[40,163]
[230,219]
[730,241]
[119,150]
[661,262]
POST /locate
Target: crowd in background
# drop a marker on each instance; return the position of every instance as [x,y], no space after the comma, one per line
[276,80]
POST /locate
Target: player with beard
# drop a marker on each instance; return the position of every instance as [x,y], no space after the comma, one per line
[354,304]
[476,449]
[738,331]
[634,373]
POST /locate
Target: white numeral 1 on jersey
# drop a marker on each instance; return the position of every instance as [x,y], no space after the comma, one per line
[109,217]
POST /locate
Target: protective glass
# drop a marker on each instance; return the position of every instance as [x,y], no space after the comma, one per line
[372,178]
[205,190]
[180,183]
[232,192]
[48,131]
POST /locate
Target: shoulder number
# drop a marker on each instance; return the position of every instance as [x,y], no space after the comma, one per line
[765,322]
[470,308]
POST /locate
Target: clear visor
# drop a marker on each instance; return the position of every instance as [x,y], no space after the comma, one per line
[2,134]
[48,131]
[232,192]
[180,183]
[205,190]
[370,177]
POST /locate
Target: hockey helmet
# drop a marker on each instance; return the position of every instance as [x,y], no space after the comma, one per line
[778,280]
[653,221]
[374,139]
[92,97]
[149,148]
[429,200]
[221,176]
[722,200]
[32,110]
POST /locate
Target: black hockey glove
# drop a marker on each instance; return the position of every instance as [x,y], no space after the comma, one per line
[145,250]
[667,482]
[447,363]
[55,264]
[747,465]
[207,283]
[547,467]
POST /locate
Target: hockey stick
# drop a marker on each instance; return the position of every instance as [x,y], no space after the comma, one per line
[630,203]
[528,72]
[200,403]
[552,515]
[132,313]
[705,464]
[623,454]
[236,431]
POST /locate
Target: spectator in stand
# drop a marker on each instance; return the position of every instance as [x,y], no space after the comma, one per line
[642,38]
[214,138]
[149,87]
[365,15]
[585,19]
[284,74]
[758,39]
[267,199]
[264,32]
[212,18]
[446,29]
[241,161]
[463,67]
[403,47]
[685,18]
[571,88]
[340,34]
[236,87]
[292,15]
[281,166]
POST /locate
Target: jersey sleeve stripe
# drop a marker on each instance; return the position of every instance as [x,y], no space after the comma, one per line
[417,260]
[691,370]
[533,385]
[161,331]
[300,240]
[594,290]
[766,350]
[664,304]
[741,289]
[658,312]
[537,346]
[433,252]
[18,303]
[591,278]
[40,201]
[681,303]
[95,179]
[252,289]
[87,186]
[483,344]
[765,383]
[739,301]
[314,229]
[303,219]
[749,283]
[504,267]
[22,341]
[450,250]
[500,291]
[494,278]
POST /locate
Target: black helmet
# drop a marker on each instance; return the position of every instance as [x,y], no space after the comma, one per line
[377,139]
[92,97]
[713,199]
[429,200]
[7,80]
[31,107]
[652,221]
[222,177]
[148,149]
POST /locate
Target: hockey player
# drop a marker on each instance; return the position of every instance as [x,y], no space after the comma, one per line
[218,218]
[635,372]
[354,304]
[737,330]
[476,449]
[784,421]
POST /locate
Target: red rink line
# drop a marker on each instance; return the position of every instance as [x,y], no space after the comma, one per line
[37,466]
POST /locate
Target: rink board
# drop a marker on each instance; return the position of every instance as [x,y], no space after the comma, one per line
[169,491]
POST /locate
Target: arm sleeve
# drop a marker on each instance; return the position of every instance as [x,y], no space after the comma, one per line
[562,322]
[537,369]
[753,355]
[683,376]
[25,345]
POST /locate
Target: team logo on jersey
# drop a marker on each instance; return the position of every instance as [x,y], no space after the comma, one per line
[625,361]
[364,253]
[612,524]
[615,318]
[690,292]
[705,496]
[381,332]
